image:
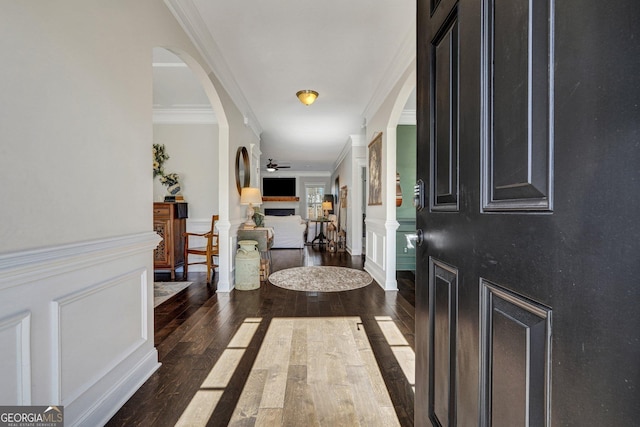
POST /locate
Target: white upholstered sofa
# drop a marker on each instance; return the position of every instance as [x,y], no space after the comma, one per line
[288,231]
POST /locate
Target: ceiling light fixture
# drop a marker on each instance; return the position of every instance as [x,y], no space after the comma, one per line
[307,97]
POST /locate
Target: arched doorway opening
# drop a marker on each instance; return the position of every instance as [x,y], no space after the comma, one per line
[189,121]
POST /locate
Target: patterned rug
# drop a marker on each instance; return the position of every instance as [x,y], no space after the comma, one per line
[320,279]
[162,291]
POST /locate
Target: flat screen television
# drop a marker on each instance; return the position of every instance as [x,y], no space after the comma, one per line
[278,187]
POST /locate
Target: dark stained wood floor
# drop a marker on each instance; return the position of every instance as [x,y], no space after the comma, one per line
[194,327]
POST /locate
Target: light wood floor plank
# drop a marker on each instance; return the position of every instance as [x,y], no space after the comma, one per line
[388,416]
[200,409]
[334,406]
[378,387]
[246,412]
[244,335]
[337,383]
[392,333]
[299,409]
[274,357]
[365,404]
[222,371]
[269,417]
[299,344]
[407,359]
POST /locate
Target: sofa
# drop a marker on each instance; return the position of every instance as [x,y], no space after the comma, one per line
[288,231]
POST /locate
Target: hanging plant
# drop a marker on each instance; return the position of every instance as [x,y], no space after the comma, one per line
[170,180]
[159,157]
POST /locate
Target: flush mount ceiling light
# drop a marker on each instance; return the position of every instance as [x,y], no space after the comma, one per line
[307,97]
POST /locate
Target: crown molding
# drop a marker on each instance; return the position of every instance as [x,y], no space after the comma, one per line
[184,116]
[408,117]
[353,141]
[188,16]
[405,55]
[169,65]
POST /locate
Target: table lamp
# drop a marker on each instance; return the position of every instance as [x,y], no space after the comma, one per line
[326,207]
[250,196]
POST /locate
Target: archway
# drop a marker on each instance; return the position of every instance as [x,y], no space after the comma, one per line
[189,111]
[381,220]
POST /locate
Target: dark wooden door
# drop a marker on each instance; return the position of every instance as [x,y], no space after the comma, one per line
[528,278]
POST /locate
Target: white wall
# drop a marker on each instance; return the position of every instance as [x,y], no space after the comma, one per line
[348,172]
[193,152]
[76,239]
[381,221]
[232,214]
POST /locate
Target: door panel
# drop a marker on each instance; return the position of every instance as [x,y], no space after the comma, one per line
[515,357]
[443,296]
[517,143]
[541,248]
[444,80]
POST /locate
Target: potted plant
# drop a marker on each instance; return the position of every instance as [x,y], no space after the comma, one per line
[169,180]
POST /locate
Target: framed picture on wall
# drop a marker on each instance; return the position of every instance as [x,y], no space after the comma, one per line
[375,170]
[343,197]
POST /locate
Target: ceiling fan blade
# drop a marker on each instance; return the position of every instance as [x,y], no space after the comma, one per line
[274,166]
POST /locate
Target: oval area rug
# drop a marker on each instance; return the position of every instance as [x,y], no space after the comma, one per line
[320,279]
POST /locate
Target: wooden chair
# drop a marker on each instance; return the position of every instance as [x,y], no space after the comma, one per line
[209,251]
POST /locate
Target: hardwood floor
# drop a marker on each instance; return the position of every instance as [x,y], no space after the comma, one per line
[210,348]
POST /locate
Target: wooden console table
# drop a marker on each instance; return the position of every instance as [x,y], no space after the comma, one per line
[169,221]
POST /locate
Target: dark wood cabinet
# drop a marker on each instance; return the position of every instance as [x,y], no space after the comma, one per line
[169,221]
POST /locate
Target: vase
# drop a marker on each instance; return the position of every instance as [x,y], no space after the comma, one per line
[174,189]
[247,266]
[398,191]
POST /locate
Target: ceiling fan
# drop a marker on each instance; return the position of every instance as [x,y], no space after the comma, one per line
[272,167]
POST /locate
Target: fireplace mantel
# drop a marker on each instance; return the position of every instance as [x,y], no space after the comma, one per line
[280,199]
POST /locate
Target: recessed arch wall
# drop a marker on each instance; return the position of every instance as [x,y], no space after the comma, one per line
[381,222]
[223,163]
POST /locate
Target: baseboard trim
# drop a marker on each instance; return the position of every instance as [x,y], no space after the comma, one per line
[111,402]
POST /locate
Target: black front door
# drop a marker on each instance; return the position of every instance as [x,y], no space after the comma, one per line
[528,277]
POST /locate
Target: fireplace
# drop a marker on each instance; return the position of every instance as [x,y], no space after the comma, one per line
[280,212]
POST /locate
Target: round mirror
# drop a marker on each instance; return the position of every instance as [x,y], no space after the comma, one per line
[243,175]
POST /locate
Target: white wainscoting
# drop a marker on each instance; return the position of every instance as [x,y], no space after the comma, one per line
[76,325]
[15,360]
[375,251]
[380,252]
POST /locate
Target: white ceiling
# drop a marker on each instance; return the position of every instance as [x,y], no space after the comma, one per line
[264,52]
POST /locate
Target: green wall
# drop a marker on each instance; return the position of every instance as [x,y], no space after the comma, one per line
[406,214]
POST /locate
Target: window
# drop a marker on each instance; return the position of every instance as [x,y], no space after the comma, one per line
[314,195]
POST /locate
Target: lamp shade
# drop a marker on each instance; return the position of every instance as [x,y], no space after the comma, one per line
[250,195]
[307,97]
[326,206]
